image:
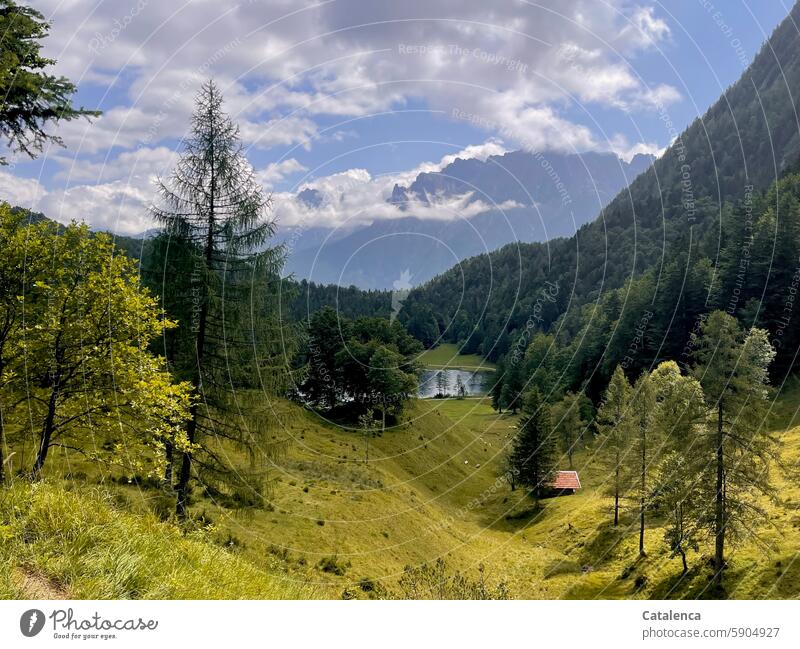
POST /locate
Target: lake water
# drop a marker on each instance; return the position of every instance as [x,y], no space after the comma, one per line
[477,382]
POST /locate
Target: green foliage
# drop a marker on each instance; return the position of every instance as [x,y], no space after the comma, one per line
[736,447]
[532,459]
[368,361]
[615,434]
[79,360]
[232,341]
[30,97]
[570,422]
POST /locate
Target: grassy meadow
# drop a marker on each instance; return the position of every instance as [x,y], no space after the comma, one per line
[446,356]
[338,526]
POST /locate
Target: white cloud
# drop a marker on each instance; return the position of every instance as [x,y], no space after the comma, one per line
[286,69]
[277,171]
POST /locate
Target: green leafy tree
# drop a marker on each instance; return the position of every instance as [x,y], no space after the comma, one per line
[86,338]
[615,426]
[213,204]
[327,333]
[24,246]
[30,97]
[732,366]
[678,495]
[391,385]
[533,455]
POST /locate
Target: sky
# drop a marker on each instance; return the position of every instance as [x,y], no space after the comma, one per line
[352,96]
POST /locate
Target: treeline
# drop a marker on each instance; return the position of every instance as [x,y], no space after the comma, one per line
[306,298]
[753,274]
[692,448]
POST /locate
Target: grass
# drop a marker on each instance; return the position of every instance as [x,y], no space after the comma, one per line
[432,489]
[58,543]
[446,355]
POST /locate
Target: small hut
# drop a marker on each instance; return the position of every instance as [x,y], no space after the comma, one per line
[565,483]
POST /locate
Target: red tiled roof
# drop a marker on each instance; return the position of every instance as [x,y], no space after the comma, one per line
[566,480]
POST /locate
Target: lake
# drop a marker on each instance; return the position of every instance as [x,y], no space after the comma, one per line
[477,382]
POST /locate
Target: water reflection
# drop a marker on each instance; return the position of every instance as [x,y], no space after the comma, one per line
[476,383]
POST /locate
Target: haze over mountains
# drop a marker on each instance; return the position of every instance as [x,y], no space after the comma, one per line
[529,197]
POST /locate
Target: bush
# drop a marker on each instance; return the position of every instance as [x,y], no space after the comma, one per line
[333,565]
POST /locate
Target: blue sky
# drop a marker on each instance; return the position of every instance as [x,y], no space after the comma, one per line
[352,96]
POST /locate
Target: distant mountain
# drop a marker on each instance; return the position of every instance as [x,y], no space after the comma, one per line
[675,221]
[552,195]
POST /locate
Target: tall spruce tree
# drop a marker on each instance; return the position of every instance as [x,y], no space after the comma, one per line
[213,205]
[615,431]
[533,455]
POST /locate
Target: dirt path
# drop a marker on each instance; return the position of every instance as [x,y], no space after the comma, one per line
[35,585]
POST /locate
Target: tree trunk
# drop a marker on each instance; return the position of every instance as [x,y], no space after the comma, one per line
[642,492]
[168,454]
[719,513]
[46,436]
[616,495]
[383,421]
[2,449]
[683,559]
[200,341]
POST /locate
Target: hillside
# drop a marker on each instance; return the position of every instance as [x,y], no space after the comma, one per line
[433,488]
[749,138]
[59,542]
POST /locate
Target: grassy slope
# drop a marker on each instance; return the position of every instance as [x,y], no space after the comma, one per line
[446,355]
[60,544]
[431,490]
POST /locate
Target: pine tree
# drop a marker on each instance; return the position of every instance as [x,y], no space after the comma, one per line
[30,98]
[615,431]
[732,366]
[533,455]
[214,204]
[569,422]
[643,412]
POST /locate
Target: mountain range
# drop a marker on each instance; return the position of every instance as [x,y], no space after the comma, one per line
[528,197]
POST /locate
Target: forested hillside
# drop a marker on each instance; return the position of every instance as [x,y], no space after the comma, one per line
[691,205]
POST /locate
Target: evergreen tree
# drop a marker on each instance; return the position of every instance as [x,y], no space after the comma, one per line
[569,422]
[533,455]
[30,98]
[732,366]
[327,334]
[677,494]
[615,431]
[643,418]
[214,204]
